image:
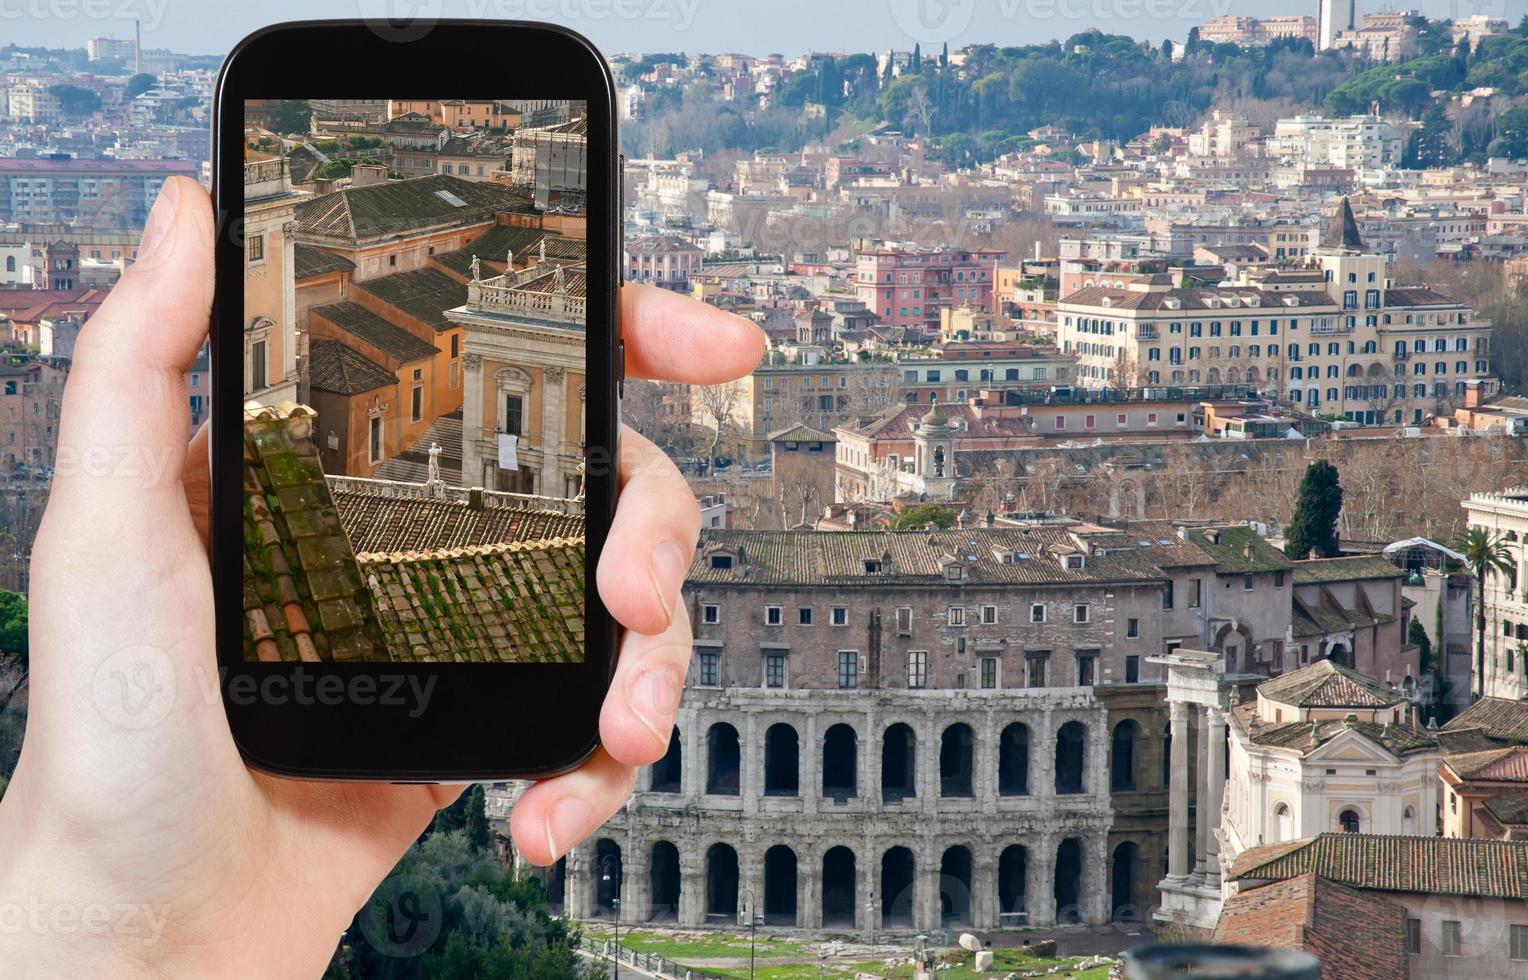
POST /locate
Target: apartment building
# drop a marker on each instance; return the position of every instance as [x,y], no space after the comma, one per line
[908,287]
[1336,336]
[104,193]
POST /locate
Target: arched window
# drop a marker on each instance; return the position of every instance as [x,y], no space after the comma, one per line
[1283,823]
[1070,752]
[1348,819]
[1122,756]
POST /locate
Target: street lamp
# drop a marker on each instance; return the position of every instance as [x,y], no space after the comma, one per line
[870,915]
[753,922]
[610,870]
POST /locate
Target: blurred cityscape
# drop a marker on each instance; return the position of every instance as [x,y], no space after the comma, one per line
[1120,537]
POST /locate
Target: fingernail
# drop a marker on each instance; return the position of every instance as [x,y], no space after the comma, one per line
[654,696]
[161,219]
[668,568]
[566,824]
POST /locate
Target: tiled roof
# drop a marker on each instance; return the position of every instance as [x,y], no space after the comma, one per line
[424,294]
[1324,684]
[1160,541]
[1306,736]
[521,602]
[377,523]
[910,557]
[1352,569]
[1422,865]
[1417,296]
[1195,299]
[1498,718]
[1239,549]
[801,432]
[363,324]
[336,368]
[1327,615]
[308,262]
[1508,810]
[1356,935]
[304,597]
[396,206]
[1504,765]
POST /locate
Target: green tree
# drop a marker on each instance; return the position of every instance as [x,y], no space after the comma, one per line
[1314,524]
[1485,554]
[75,101]
[477,818]
[292,116]
[922,516]
[137,85]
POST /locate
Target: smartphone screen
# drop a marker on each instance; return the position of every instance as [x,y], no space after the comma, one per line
[415,378]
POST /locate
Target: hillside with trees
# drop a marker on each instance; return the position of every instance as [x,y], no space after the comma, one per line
[1107,86]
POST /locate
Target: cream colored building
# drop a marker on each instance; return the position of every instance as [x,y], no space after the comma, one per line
[270,305]
[1505,515]
[1335,336]
[524,353]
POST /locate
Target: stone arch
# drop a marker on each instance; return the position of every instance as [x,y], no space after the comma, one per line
[1068,881]
[1122,755]
[1122,874]
[723,761]
[1012,882]
[782,761]
[898,887]
[667,774]
[840,762]
[1409,821]
[1350,821]
[955,886]
[1013,760]
[607,877]
[663,883]
[899,749]
[957,749]
[1071,758]
[721,883]
[839,886]
[780,886]
[1236,643]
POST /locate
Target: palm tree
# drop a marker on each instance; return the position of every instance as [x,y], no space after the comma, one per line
[1484,553]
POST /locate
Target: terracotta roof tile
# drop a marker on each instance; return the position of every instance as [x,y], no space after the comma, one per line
[1324,684]
[1422,865]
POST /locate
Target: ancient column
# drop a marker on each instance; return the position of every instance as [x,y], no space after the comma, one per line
[692,884]
[809,763]
[634,881]
[1177,819]
[1096,899]
[1202,793]
[1040,886]
[1215,740]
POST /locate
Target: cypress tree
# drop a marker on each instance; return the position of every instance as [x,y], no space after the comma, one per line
[1313,528]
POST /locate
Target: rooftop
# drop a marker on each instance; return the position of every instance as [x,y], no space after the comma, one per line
[1421,865]
[1325,684]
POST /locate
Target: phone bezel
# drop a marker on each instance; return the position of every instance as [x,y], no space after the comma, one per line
[480,721]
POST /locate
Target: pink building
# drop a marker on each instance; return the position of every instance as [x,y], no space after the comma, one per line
[908,287]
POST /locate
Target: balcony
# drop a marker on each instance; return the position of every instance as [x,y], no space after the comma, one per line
[511,296]
[265,178]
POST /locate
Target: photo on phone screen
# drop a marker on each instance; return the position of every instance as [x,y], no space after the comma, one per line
[414,380]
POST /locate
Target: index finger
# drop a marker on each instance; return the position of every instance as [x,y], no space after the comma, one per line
[670,337]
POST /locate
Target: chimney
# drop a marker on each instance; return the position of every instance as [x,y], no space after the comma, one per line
[475,498]
[1474,393]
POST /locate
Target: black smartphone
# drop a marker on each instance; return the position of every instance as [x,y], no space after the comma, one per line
[416,369]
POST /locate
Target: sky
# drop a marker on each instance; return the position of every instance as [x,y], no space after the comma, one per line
[745,26]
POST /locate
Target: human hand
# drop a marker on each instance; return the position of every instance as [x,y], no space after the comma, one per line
[188,862]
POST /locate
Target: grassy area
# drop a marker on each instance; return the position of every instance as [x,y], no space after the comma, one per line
[702,946]
[732,949]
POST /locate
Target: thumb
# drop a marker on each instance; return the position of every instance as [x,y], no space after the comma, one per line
[125,423]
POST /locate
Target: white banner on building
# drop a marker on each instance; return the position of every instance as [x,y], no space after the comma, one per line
[507,458]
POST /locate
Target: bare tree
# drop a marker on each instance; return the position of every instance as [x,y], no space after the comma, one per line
[718,406]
